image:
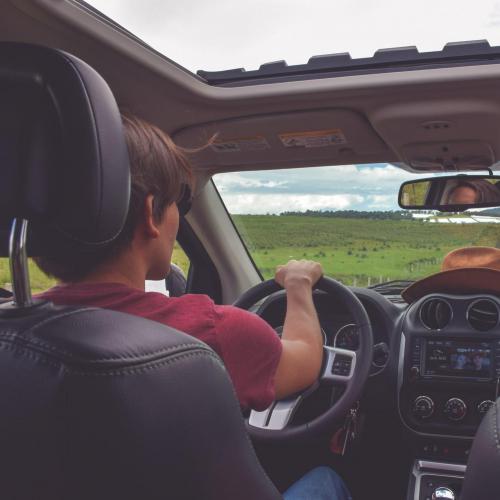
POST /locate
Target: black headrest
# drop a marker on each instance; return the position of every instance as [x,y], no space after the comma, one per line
[63,159]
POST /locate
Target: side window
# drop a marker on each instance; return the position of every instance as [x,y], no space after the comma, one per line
[180,259]
[174,284]
[39,282]
[5,283]
[176,281]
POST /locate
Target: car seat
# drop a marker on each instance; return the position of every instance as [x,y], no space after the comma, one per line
[96,404]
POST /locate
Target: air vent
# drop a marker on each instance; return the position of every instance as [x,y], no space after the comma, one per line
[483,315]
[435,314]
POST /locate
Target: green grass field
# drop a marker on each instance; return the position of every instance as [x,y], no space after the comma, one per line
[40,282]
[359,251]
[356,251]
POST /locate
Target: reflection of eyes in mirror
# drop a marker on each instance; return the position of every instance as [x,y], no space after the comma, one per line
[470,192]
[462,195]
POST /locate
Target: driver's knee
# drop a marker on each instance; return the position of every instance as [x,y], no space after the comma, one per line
[331,481]
[321,483]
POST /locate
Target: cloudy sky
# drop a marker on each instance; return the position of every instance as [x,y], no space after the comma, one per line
[225,34]
[346,187]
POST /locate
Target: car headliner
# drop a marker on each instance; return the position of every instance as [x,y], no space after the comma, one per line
[385,114]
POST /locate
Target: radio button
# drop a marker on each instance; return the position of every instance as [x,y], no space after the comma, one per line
[414,373]
[423,407]
[455,409]
[484,406]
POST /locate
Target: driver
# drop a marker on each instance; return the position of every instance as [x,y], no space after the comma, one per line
[262,366]
[472,191]
[463,194]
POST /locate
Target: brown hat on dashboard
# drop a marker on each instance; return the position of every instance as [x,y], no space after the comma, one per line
[465,270]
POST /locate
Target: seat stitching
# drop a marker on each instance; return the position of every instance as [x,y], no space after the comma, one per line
[30,354]
[117,371]
[36,342]
[59,316]
[150,366]
[495,427]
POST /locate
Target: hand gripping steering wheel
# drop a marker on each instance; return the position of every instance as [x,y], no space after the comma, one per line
[340,366]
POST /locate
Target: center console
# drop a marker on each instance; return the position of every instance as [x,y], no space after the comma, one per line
[448,378]
[448,383]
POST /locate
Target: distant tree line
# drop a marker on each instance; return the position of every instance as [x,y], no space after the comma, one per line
[354,214]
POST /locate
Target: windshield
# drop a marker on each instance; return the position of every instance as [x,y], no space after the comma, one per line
[347,218]
[239,34]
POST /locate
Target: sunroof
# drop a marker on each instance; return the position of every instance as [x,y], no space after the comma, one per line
[214,36]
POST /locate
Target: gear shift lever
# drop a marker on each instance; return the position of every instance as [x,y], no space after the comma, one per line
[443,493]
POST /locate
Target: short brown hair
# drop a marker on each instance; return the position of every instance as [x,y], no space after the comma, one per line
[158,167]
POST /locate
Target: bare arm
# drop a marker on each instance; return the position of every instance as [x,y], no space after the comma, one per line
[302,342]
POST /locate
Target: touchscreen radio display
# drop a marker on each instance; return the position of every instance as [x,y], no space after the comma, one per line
[458,358]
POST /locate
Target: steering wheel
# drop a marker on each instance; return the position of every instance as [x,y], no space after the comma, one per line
[340,366]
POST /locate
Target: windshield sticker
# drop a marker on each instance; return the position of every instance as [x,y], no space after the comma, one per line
[256,143]
[313,139]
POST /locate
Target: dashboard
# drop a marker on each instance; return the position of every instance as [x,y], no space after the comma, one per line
[338,326]
[449,363]
[441,354]
[435,372]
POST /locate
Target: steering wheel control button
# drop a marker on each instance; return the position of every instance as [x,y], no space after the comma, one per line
[443,493]
[342,365]
[423,407]
[484,406]
[455,409]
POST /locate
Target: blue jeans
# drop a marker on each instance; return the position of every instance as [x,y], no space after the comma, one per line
[321,483]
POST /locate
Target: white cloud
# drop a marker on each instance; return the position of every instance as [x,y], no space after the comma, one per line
[381,202]
[277,203]
[321,180]
[229,33]
[341,187]
[235,180]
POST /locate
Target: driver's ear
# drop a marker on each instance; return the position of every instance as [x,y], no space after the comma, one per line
[150,227]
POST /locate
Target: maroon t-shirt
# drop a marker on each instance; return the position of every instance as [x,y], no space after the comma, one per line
[248,346]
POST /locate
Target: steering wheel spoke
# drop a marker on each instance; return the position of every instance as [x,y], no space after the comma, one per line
[339,364]
[277,416]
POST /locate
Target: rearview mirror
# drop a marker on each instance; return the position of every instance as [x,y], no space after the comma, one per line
[452,193]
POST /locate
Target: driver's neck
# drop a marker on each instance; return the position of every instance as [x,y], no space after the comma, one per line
[128,268]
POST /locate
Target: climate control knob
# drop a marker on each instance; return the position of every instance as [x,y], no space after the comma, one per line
[484,406]
[455,409]
[423,407]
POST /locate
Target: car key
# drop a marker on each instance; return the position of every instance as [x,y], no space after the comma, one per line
[350,429]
